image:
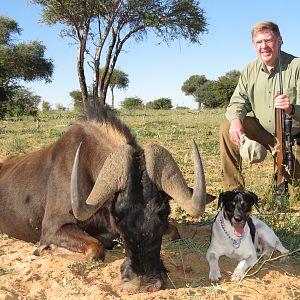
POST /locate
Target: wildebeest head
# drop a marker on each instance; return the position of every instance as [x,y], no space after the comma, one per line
[237,208]
[139,184]
[141,215]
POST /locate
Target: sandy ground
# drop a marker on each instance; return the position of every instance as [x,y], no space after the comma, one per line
[25,276]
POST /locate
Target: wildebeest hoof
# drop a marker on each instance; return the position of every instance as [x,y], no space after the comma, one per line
[132,285]
[153,288]
[39,251]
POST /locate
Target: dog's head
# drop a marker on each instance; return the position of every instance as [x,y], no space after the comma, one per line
[237,208]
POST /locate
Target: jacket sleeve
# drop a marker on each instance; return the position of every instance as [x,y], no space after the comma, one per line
[297,92]
[239,104]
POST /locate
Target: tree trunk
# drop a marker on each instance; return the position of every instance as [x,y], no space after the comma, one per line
[112,98]
[102,97]
[82,81]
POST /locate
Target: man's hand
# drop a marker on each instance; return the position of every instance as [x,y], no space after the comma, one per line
[236,130]
[283,102]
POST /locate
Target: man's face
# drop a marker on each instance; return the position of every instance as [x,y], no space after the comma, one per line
[266,45]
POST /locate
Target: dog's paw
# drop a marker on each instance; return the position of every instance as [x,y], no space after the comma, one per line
[237,275]
[215,275]
[285,258]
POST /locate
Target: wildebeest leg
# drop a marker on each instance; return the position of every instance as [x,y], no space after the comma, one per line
[172,233]
[73,243]
[108,240]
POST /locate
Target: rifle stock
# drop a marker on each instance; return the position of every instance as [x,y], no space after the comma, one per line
[280,150]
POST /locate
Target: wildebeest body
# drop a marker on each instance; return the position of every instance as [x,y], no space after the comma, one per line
[127,188]
[37,183]
[22,198]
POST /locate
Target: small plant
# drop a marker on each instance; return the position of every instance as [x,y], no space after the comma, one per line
[286,226]
[16,145]
[185,245]
[83,267]
[3,271]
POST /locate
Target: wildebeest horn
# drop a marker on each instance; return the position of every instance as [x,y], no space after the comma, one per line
[112,178]
[165,173]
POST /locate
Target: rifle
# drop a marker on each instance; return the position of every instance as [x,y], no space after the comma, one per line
[283,142]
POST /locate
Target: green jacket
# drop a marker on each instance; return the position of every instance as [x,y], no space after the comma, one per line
[256,90]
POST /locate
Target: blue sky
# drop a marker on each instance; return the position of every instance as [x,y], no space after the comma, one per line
[159,70]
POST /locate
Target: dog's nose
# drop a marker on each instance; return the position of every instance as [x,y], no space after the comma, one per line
[238,218]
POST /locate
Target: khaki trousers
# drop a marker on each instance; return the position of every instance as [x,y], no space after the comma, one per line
[231,162]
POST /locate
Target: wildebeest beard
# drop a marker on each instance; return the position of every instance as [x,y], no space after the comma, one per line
[142,219]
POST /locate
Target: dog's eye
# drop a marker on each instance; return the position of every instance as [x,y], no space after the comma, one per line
[231,206]
[246,207]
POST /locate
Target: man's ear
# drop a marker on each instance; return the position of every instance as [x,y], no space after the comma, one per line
[225,196]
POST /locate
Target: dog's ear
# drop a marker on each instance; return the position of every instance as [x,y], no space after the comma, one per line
[220,201]
[255,199]
[223,197]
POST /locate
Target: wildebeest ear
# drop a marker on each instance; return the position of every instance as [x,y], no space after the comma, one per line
[223,197]
[255,199]
[166,196]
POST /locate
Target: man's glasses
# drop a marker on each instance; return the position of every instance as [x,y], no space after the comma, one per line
[260,43]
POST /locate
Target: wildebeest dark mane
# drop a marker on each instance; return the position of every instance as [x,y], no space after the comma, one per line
[108,117]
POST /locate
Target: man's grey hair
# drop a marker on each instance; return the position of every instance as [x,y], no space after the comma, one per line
[265,25]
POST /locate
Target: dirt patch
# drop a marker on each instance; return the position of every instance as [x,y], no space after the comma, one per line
[25,276]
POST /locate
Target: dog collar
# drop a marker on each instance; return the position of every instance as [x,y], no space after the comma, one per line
[235,242]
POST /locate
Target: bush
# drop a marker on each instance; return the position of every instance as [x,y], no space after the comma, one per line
[161,103]
[46,106]
[22,103]
[132,103]
[182,107]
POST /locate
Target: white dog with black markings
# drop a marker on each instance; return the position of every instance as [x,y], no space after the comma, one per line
[239,236]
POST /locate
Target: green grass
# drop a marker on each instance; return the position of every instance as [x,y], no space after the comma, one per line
[185,245]
[3,271]
[83,267]
[287,227]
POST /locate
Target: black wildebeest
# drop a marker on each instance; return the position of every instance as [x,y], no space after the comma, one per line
[93,184]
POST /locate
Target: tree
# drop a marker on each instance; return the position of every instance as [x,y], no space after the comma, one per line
[22,102]
[161,103]
[212,93]
[226,85]
[22,61]
[207,95]
[46,106]
[77,99]
[132,103]
[101,28]
[191,85]
[119,80]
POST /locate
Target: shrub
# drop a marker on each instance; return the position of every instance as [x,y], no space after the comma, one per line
[22,102]
[132,103]
[161,103]
[46,106]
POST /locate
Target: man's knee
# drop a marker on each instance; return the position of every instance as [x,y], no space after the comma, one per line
[224,127]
